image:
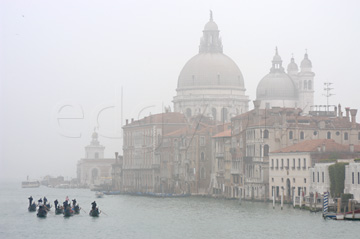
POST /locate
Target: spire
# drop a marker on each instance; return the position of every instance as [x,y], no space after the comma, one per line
[210,41]
[306,64]
[276,62]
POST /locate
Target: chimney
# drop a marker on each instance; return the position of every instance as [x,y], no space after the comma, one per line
[351,148]
[340,113]
[116,157]
[127,121]
[347,113]
[353,117]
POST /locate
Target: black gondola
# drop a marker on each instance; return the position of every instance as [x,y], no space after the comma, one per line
[94,212]
[68,212]
[59,210]
[32,207]
[42,212]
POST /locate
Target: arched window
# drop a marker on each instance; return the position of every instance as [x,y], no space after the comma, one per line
[282,163]
[266,134]
[188,112]
[266,150]
[290,135]
[346,136]
[305,84]
[288,163]
[213,113]
[272,163]
[309,85]
[302,136]
[224,113]
[202,156]
[329,135]
[277,163]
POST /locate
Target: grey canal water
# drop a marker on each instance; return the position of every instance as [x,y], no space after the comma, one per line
[145,217]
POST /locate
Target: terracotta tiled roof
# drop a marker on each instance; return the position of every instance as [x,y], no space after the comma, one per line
[226,133]
[166,118]
[313,146]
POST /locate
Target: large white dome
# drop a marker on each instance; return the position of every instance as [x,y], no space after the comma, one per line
[210,70]
[276,86]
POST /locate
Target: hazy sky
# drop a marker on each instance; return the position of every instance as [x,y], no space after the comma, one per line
[63,64]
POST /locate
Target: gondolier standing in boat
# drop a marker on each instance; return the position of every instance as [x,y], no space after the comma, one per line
[93,205]
[39,202]
[30,199]
[56,203]
[74,202]
[45,200]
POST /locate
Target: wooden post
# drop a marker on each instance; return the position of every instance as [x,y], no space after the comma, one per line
[273,197]
[294,197]
[339,205]
[282,198]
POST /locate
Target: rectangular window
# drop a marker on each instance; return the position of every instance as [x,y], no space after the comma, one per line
[358,178]
[353,178]
[304,163]
[313,177]
[304,191]
[322,176]
[299,163]
[304,180]
[318,175]
[299,191]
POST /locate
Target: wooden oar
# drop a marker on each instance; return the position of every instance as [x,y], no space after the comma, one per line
[104,213]
[83,210]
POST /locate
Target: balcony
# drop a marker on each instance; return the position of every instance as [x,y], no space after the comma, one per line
[304,168]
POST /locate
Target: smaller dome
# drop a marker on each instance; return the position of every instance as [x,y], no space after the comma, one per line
[211,26]
[276,86]
[292,67]
[276,57]
[306,63]
[94,135]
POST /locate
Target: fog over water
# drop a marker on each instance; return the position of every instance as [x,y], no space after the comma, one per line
[63,65]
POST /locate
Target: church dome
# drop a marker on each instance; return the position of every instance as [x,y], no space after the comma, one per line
[306,63]
[211,26]
[210,70]
[292,67]
[276,85]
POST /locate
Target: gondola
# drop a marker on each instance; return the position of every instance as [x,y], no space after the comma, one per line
[59,210]
[94,212]
[68,212]
[42,212]
[32,207]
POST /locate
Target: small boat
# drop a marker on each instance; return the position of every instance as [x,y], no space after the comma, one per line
[68,212]
[352,215]
[112,192]
[94,212]
[340,216]
[329,215]
[99,194]
[42,212]
[32,207]
[59,210]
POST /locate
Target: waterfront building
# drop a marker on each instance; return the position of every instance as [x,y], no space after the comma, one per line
[226,178]
[117,173]
[260,131]
[320,178]
[211,83]
[141,158]
[293,89]
[352,179]
[94,169]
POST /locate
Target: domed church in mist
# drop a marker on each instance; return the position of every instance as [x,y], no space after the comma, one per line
[294,89]
[211,83]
